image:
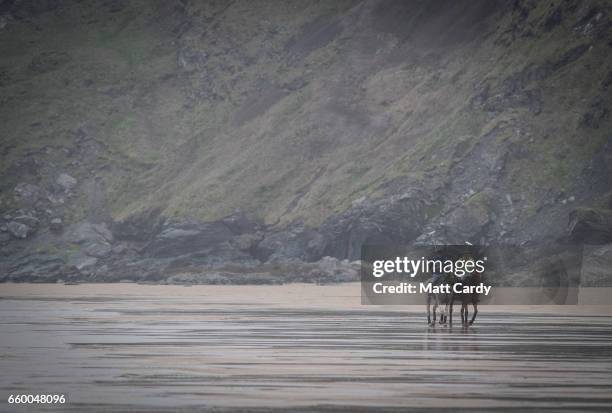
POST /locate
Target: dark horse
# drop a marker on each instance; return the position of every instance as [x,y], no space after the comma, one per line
[441,300]
[465,299]
[446,300]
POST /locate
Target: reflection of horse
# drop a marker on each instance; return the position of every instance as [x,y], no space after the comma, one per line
[469,298]
[439,299]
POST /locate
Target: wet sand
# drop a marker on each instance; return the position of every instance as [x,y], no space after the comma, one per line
[127,347]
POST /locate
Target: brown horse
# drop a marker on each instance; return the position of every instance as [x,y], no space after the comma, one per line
[465,298]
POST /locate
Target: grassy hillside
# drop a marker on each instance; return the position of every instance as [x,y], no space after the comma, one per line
[297,111]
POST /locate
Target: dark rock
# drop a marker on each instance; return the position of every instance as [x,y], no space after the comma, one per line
[188,237]
[95,240]
[56,200]
[27,194]
[138,227]
[19,230]
[83,264]
[279,270]
[66,181]
[288,243]
[116,268]
[119,249]
[28,220]
[395,219]
[590,226]
[239,223]
[35,268]
[56,224]
[208,278]
[214,256]
[87,232]
[97,249]
[247,242]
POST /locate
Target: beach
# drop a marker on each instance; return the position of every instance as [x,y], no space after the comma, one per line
[299,347]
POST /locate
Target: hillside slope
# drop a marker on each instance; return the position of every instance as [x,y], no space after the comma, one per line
[154,138]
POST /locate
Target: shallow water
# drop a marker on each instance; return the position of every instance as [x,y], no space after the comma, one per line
[155,348]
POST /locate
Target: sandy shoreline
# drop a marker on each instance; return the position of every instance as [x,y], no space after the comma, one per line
[346,296]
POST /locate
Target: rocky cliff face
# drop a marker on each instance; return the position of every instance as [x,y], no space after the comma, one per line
[246,141]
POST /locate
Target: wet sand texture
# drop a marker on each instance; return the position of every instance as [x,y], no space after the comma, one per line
[299,348]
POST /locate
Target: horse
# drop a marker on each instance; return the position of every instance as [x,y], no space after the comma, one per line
[470,298]
[439,299]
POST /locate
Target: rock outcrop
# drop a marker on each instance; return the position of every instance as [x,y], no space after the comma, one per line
[19,230]
[591,226]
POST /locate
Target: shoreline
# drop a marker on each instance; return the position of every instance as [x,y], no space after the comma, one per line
[340,297]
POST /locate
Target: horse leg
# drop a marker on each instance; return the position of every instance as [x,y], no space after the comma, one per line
[446,310]
[443,313]
[475,312]
[433,319]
